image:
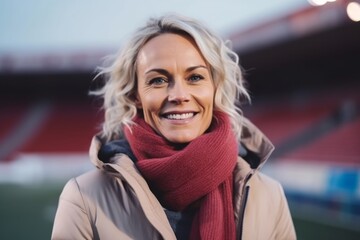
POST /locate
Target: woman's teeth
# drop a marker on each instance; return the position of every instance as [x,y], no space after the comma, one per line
[180,116]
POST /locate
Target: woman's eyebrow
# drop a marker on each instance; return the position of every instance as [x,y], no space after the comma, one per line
[165,72]
[158,70]
[189,69]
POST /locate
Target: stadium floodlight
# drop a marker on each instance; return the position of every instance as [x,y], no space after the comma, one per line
[317,2]
[320,2]
[353,11]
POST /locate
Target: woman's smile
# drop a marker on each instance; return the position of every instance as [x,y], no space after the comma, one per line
[179,116]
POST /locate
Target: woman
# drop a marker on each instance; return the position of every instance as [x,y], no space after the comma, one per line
[175,159]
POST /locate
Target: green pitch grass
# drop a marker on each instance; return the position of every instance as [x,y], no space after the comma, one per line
[27,212]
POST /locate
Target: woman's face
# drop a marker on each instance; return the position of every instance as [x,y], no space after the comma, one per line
[175,88]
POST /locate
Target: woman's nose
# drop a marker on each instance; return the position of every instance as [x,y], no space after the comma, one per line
[178,93]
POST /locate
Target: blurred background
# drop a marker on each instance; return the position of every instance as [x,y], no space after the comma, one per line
[300,59]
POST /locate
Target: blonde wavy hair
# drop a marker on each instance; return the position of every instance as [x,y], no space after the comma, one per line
[120,77]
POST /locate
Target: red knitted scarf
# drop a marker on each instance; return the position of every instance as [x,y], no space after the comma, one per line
[201,172]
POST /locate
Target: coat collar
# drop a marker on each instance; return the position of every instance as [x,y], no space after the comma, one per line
[257,147]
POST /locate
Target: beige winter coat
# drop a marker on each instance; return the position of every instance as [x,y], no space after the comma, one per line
[115,202]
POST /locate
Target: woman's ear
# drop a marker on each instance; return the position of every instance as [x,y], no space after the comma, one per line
[137,101]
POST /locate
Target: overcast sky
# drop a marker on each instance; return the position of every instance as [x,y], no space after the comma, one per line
[45,25]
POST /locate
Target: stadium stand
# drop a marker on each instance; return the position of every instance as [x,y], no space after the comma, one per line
[47,127]
[341,146]
[68,128]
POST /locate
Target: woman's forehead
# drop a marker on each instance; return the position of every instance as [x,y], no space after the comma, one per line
[161,50]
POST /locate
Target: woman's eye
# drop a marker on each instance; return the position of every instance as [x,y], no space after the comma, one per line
[195,78]
[157,81]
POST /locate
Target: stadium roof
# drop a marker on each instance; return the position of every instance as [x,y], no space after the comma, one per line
[66,36]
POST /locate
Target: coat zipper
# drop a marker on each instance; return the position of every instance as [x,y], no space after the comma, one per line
[244,198]
[242,211]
